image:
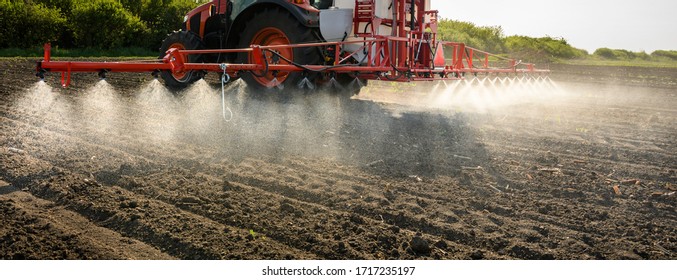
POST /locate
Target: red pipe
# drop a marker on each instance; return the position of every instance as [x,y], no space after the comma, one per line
[48,51]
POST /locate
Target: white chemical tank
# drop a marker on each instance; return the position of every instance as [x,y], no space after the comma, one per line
[336,24]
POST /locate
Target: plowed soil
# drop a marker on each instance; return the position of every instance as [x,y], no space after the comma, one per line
[124,170]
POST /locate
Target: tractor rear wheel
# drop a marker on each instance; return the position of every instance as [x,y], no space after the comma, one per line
[183,40]
[271,27]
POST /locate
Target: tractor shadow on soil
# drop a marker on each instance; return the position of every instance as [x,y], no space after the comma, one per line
[377,138]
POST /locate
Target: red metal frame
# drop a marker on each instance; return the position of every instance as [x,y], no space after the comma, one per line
[410,56]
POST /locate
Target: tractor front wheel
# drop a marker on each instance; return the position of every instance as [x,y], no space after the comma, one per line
[272,27]
[182,40]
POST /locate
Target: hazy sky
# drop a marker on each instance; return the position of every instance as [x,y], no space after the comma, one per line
[644,25]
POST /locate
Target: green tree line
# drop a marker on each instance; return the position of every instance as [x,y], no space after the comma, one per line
[493,40]
[100,24]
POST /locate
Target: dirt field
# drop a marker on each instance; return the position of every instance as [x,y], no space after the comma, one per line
[123,170]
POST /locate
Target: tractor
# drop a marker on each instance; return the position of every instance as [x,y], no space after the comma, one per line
[239,24]
[289,44]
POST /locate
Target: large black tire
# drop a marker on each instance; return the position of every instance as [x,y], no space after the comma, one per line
[275,26]
[186,40]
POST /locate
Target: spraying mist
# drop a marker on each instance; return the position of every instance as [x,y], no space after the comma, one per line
[386,122]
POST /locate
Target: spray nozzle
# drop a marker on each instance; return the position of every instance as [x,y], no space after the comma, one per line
[41,74]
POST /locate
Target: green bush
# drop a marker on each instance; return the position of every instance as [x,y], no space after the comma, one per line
[642,55]
[491,39]
[7,21]
[543,49]
[163,17]
[133,6]
[624,54]
[485,38]
[672,55]
[619,54]
[605,53]
[64,6]
[25,25]
[100,24]
[107,24]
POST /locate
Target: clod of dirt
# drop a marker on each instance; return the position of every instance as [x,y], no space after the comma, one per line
[524,252]
[420,245]
[92,183]
[389,195]
[477,255]
[341,248]
[465,179]
[126,169]
[286,207]
[227,186]
[416,178]
[421,203]
[356,219]
[441,244]
[548,158]
[190,200]
[129,204]
[15,150]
